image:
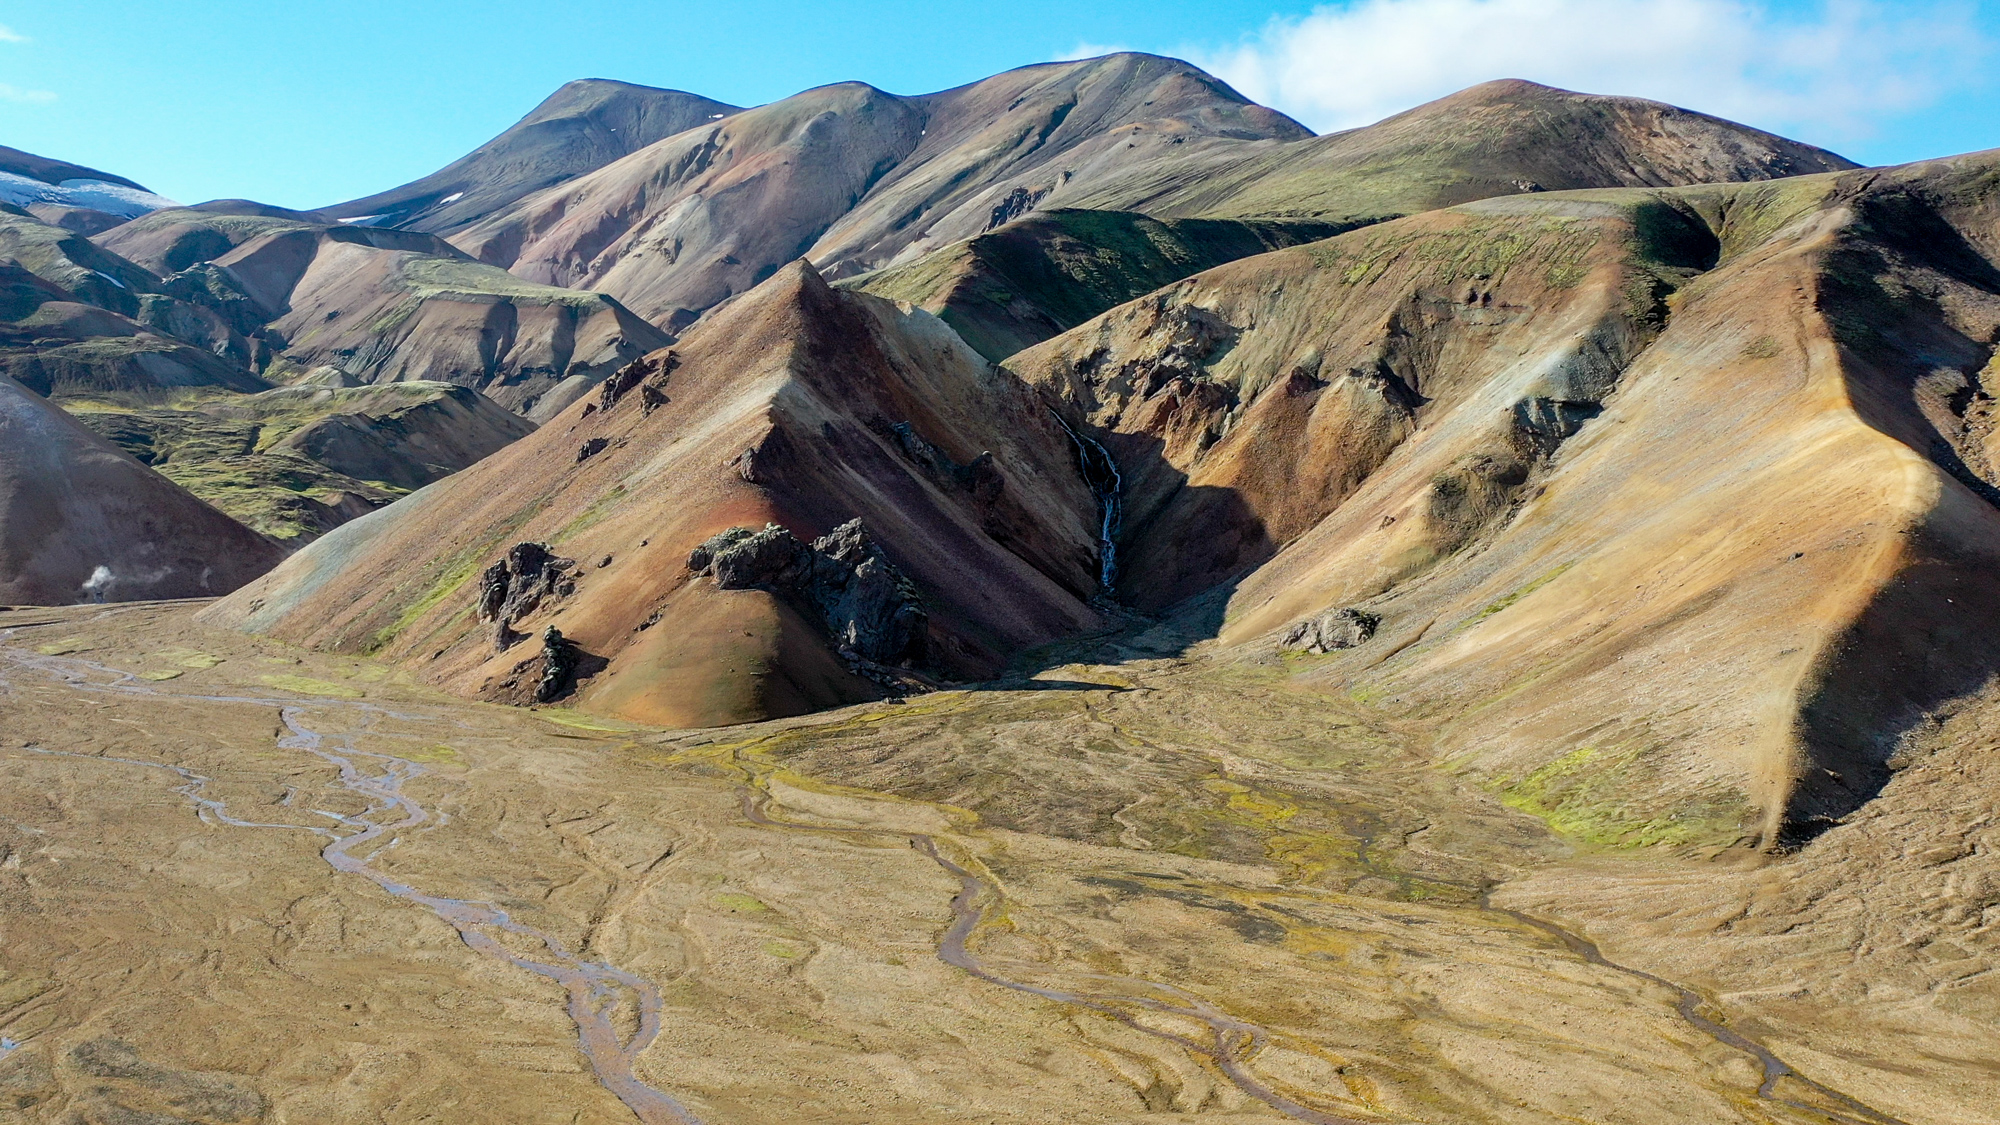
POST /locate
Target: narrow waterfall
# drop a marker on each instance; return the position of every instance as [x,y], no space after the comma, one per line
[1100,472]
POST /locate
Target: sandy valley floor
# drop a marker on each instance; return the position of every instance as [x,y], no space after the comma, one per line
[241,882]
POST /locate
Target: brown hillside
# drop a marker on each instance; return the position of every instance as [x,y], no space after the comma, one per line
[383,314]
[581,127]
[1498,138]
[81,521]
[1018,285]
[798,406]
[849,176]
[1033,278]
[1551,511]
[385,305]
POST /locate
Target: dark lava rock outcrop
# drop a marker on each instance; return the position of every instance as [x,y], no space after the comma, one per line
[516,586]
[871,611]
[1334,629]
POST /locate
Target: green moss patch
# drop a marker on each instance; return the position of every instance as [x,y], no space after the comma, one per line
[1586,796]
[305,685]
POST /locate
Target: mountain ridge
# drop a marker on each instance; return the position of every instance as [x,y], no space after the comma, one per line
[584,125]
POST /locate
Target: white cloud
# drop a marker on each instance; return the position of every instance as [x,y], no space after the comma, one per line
[1834,74]
[15,93]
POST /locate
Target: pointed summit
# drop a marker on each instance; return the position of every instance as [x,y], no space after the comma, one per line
[583,126]
[795,405]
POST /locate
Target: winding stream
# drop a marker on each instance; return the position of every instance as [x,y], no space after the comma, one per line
[1689,1003]
[1232,1040]
[599,992]
[602,996]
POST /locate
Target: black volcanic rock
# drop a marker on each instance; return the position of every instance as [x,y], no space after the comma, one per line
[869,608]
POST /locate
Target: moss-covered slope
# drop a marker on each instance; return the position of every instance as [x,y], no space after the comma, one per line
[1038,276]
[295,462]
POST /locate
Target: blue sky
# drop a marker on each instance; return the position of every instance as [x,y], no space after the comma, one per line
[308,103]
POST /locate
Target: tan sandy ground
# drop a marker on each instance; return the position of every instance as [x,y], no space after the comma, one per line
[1154,837]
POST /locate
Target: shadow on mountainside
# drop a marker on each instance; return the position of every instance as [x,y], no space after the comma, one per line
[1915,309]
[1177,540]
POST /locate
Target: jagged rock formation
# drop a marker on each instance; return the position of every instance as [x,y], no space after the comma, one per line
[560,660]
[81,521]
[871,611]
[784,408]
[1037,277]
[516,586]
[1334,629]
[581,127]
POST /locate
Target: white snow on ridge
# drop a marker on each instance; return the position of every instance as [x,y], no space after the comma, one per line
[454,197]
[117,199]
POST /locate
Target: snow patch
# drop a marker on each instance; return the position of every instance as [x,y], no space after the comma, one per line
[98,195]
[454,197]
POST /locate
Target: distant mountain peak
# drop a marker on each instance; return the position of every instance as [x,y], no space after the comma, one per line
[585,124]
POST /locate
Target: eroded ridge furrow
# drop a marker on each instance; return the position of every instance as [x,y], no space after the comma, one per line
[599,993]
[1231,1043]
